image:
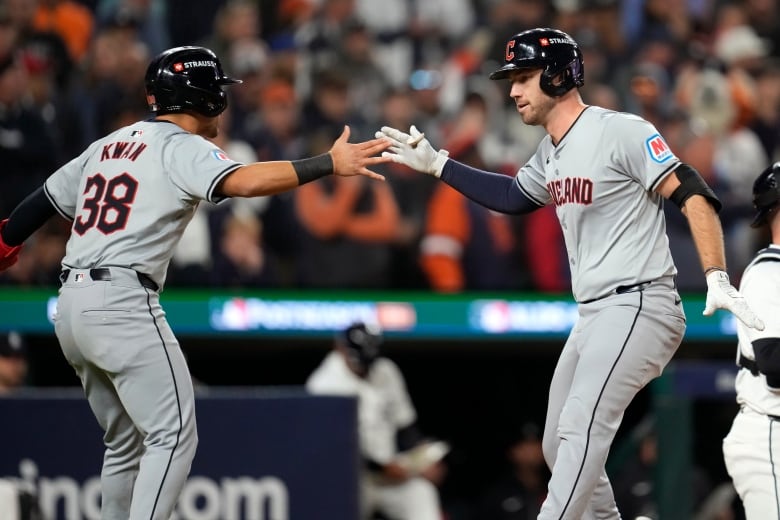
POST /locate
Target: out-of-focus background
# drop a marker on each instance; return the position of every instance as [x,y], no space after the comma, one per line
[475,305]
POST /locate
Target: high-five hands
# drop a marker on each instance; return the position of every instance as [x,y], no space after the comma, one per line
[722,295]
[413,150]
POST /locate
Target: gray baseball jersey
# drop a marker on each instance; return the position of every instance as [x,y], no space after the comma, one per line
[131,194]
[750,449]
[601,178]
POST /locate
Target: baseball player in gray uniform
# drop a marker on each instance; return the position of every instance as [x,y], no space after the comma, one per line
[607,173]
[752,448]
[130,196]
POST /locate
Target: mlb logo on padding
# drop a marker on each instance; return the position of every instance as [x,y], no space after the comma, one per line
[658,149]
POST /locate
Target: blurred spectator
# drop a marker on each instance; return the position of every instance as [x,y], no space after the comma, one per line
[461,237]
[57,95]
[766,125]
[390,23]
[319,37]
[412,193]
[40,262]
[251,63]
[439,27]
[348,229]
[114,77]
[241,260]
[28,151]
[192,263]
[366,80]
[649,93]
[392,482]
[721,105]
[71,20]
[329,108]
[634,481]
[13,362]
[275,128]
[237,22]
[519,493]
[147,18]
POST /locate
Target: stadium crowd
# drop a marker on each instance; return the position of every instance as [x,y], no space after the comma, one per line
[705,72]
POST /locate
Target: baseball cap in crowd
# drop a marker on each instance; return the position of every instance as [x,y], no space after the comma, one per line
[740,43]
[12,345]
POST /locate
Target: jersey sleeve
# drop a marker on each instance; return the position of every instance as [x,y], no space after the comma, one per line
[61,187]
[640,151]
[530,179]
[197,166]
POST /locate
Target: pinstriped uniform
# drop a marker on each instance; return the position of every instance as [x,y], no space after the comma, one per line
[752,447]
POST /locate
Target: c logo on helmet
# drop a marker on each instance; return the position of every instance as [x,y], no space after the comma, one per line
[510,55]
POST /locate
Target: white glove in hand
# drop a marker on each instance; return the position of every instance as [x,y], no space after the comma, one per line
[722,295]
[412,151]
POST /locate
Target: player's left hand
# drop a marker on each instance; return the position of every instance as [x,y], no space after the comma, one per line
[353,158]
[722,295]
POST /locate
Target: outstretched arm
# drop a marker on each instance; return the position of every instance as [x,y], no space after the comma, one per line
[493,190]
[269,178]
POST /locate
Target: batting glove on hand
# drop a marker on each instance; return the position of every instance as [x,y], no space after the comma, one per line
[413,150]
[8,254]
[722,295]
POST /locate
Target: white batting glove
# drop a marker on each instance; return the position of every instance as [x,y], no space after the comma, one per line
[413,150]
[722,295]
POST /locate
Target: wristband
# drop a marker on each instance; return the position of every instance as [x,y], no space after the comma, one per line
[713,268]
[313,168]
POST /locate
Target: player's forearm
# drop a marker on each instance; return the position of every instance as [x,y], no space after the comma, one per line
[272,177]
[258,179]
[492,190]
[27,217]
[706,231]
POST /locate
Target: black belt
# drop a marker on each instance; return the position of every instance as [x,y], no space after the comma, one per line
[623,289]
[750,364]
[103,274]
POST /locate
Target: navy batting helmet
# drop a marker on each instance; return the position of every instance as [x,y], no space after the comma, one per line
[362,343]
[766,194]
[185,79]
[551,50]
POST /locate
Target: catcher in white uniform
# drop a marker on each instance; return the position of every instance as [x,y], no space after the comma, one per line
[752,448]
[607,174]
[391,483]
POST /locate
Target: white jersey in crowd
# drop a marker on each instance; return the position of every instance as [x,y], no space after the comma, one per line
[601,178]
[131,193]
[759,285]
[384,405]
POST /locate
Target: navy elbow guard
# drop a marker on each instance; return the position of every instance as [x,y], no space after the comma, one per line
[767,352]
[691,183]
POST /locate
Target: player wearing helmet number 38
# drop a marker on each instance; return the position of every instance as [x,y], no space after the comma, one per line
[130,195]
[607,174]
